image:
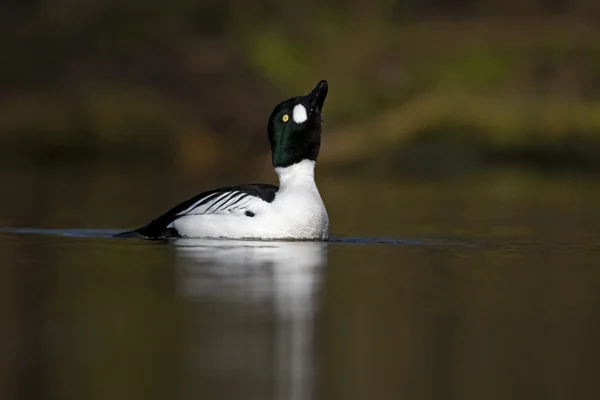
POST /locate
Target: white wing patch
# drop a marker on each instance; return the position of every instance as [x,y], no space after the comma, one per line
[299,114]
[221,203]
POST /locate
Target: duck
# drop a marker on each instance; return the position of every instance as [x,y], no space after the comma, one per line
[294,210]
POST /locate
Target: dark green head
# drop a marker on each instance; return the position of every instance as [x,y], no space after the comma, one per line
[295,127]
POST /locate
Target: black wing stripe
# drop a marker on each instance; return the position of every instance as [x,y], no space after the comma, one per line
[244,203]
[213,202]
[230,201]
[243,196]
[216,205]
[199,203]
[234,204]
[218,198]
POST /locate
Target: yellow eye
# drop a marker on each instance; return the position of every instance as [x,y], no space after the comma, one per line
[285,118]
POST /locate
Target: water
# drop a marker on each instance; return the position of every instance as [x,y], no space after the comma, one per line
[483,287]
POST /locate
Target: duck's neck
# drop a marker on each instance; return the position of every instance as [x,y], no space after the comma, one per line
[301,174]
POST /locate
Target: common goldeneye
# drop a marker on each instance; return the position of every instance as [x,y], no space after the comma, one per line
[294,210]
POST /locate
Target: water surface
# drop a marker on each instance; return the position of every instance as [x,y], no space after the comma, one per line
[487,287]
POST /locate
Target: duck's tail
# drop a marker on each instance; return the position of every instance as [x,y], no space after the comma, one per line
[129,235]
[146,233]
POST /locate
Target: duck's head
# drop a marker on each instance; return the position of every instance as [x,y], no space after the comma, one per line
[295,127]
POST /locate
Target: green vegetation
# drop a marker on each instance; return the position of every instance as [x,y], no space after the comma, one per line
[192,82]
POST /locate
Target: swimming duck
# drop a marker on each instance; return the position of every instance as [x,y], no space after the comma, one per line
[294,210]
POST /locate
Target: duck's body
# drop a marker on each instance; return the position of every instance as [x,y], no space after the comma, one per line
[294,210]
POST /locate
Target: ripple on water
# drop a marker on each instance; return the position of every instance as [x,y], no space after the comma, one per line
[350,240]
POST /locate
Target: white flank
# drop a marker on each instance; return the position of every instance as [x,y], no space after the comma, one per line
[297,212]
[299,114]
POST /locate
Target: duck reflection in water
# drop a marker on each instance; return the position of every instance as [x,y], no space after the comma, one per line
[258,337]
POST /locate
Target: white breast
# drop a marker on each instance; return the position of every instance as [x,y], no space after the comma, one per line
[297,212]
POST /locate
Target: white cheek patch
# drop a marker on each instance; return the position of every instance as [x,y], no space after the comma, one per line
[299,114]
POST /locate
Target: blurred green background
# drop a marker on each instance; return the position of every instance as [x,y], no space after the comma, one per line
[464,134]
[190,84]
